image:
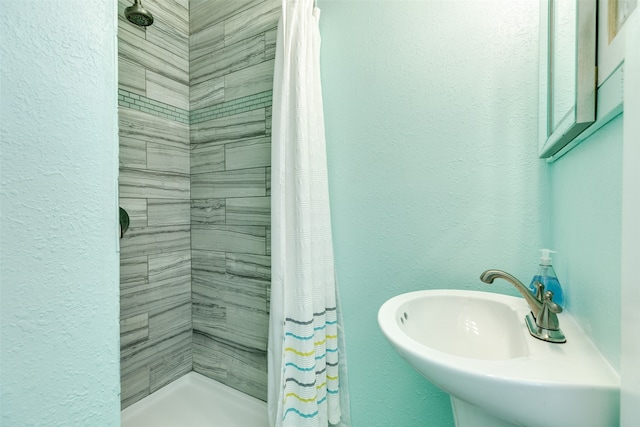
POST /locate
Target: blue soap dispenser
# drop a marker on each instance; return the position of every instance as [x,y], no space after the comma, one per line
[547,276]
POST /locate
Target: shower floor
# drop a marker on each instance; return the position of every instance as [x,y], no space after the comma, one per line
[196,401]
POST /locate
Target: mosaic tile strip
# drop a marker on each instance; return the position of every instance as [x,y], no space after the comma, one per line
[240,105]
[223,109]
[147,105]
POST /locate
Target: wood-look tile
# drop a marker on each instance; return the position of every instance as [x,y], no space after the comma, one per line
[207,359]
[235,183]
[168,91]
[207,93]
[134,385]
[258,19]
[242,369]
[226,262]
[171,269]
[155,279]
[249,266]
[248,211]
[203,13]
[248,373]
[127,30]
[142,299]
[131,77]
[270,38]
[153,57]
[207,157]
[171,13]
[231,128]
[222,318]
[255,79]
[228,59]
[207,211]
[269,181]
[206,265]
[251,153]
[176,363]
[168,158]
[167,37]
[169,212]
[243,326]
[134,271]
[151,128]
[209,39]
[134,329]
[152,184]
[154,240]
[230,320]
[170,321]
[150,354]
[133,152]
[184,4]
[268,250]
[164,356]
[144,354]
[227,238]
[230,279]
[136,209]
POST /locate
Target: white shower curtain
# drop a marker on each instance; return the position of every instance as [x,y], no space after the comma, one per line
[307,364]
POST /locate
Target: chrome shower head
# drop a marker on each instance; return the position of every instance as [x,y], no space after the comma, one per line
[138,14]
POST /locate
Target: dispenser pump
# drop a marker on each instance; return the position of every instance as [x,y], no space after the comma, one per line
[546,276]
[545,258]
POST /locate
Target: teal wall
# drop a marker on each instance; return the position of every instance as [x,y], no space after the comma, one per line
[58,250]
[431,123]
[585,223]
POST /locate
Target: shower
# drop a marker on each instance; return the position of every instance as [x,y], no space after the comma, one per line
[138,14]
[195,261]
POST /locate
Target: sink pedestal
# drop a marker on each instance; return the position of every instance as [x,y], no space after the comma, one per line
[468,415]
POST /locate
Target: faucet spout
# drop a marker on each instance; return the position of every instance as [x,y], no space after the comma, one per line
[534,303]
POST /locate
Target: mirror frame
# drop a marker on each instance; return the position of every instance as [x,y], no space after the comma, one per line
[583,113]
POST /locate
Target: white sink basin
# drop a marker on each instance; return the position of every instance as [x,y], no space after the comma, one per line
[476,346]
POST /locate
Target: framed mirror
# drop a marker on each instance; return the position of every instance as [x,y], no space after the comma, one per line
[568,60]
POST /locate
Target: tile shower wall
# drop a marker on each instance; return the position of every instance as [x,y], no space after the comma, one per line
[232,46]
[155,254]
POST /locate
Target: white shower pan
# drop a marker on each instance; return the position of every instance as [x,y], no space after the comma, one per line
[196,401]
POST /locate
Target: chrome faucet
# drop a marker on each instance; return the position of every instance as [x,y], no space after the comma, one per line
[543,320]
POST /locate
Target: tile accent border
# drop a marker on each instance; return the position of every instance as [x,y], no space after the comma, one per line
[229,108]
[142,103]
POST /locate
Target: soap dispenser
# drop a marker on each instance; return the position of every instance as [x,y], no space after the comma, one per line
[547,276]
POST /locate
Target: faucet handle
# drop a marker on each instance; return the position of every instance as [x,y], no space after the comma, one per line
[548,301]
[539,290]
[547,318]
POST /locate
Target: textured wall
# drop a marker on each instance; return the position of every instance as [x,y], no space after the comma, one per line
[585,230]
[630,230]
[58,250]
[155,258]
[431,120]
[231,74]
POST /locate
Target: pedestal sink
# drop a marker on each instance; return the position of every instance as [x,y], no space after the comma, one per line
[476,347]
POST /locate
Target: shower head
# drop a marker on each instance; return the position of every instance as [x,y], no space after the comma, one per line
[138,14]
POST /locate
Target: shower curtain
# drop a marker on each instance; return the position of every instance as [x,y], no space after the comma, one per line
[306,357]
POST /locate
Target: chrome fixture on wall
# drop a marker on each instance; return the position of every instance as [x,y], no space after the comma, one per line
[138,14]
[124,222]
